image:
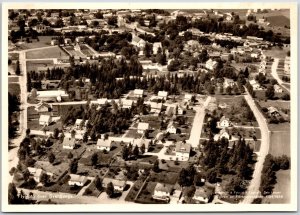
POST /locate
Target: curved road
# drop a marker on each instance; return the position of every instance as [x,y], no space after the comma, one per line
[253,188]
[275,74]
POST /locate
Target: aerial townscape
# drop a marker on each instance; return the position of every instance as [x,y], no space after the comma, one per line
[150,106]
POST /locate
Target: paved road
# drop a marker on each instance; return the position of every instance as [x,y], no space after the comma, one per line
[253,189]
[198,123]
[275,74]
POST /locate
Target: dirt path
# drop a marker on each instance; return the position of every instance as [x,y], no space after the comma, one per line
[275,74]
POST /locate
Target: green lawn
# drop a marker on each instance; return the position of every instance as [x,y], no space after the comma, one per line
[13,79]
[280,143]
[54,52]
[33,65]
[44,41]
[14,88]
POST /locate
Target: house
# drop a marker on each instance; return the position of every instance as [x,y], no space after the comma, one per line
[155,107]
[142,127]
[202,195]
[104,144]
[80,124]
[171,128]
[136,41]
[228,83]
[126,103]
[69,143]
[224,122]
[223,133]
[77,180]
[42,107]
[80,39]
[102,101]
[188,97]
[36,173]
[182,151]
[255,85]
[162,191]
[44,120]
[211,64]
[156,47]
[67,41]
[119,185]
[138,93]
[180,110]
[272,111]
[54,42]
[140,142]
[162,95]
[49,95]
[277,88]
[77,47]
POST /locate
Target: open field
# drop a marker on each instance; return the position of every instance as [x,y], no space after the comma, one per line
[73,52]
[276,52]
[54,52]
[34,65]
[44,41]
[14,88]
[13,79]
[280,143]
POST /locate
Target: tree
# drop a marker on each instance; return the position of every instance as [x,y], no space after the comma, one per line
[70,155]
[26,175]
[136,151]
[55,133]
[156,166]
[110,190]
[270,92]
[45,178]
[94,159]
[85,137]
[74,166]
[98,183]
[12,194]
[125,152]
[27,131]
[51,158]
[18,70]
[143,148]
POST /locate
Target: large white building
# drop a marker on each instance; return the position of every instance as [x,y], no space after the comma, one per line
[211,64]
[182,151]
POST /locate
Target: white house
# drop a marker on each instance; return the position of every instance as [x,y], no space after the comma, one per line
[140,142]
[162,95]
[126,103]
[80,124]
[138,92]
[77,47]
[224,122]
[142,127]
[79,39]
[211,64]
[104,144]
[162,191]
[223,133]
[119,185]
[188,97]
[156,46]
[69,143]
[42,107]
[228,83]
[202,195]
[50,95]
[77,180]
[37,173]
[67,41]
[136,41]
[277,88]
[180,110]
[44,120]
[54,42]
[182,151]
[171,128]
[255,85]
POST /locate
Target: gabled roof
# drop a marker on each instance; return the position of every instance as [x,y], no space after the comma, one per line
[138,92]
[77,178]
[104,143]
[127,102]
[115,182]
[202,192]
[162,93]
[45,118]
[140,142]
[166,188]
[69,141]
[143,126]
[183,147]
[102,101]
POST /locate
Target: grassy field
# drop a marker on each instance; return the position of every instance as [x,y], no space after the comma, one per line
[14,88]
[280,143]
[276,52]
[282,188]
[33,65]
[44,41]
[13,79]
[54,52]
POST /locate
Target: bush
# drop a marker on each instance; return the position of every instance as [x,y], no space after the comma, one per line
[88,191]
[285,97]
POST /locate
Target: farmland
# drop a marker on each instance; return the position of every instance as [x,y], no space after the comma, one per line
[280,143]
[14,88]
[53,52]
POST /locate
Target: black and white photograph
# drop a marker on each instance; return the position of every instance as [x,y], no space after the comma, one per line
[171,107]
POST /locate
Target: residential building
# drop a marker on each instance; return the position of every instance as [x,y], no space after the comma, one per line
[80,124]
[69,143]
[222,134]
[228,83]
[136,41]
[156,47]
[119,185]
[142,127]
[162,95]
[162,192]
[44,120]
[77,180]
[202,195]
[36,173]
[54,42]
[49,95]
[127,103]
[211,64]
[182,151]
[138,93]
[277,88]
[272,111]
[140,142]
[224,122]
[42,107]
[255,85]
[171,128]
[68,41]
[104,144]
